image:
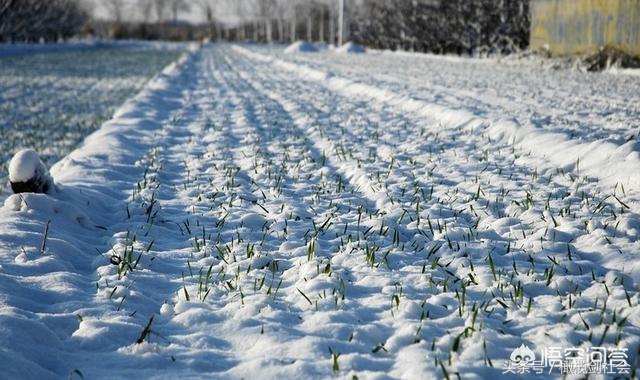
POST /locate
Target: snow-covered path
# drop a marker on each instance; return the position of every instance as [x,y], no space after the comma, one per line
[248,216]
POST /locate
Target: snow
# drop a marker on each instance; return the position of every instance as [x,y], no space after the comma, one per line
[19,49]
[301,47]
[25,165]
[609,161]
[27,172]
[350,48]
[8,49]
[624,71]
[51,102]
[268,209]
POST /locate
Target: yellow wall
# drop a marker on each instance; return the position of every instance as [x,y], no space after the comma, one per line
[583,26]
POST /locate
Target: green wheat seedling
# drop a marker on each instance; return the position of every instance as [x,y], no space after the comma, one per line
[45,235]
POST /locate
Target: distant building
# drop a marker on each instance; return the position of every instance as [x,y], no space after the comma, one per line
[583,26]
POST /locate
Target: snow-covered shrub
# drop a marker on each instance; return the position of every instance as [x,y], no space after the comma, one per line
[28,174]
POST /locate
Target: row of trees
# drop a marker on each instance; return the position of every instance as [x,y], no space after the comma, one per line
[150,19]
[459,26]
[259,20]
[146,11]
[290,20]
[451,26]
[36,20]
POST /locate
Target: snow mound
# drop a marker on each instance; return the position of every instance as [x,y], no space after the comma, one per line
[301,47]
[28,173]
[350,48]
[23,165]
[253,221]
[322,46]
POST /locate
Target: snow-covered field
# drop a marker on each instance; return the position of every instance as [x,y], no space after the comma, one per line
[252,213]
[53,96]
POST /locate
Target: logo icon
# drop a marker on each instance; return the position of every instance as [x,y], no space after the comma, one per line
[572,360]
[522,354]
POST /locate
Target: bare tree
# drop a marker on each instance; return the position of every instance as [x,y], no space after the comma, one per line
[178,6]
[208,7]
[281,10]
[160,7]
[293,19]
[145,7]
[332,22]
[116,10]
[321,23]
[306,12]
[266,12]
[341,31]
[240,9]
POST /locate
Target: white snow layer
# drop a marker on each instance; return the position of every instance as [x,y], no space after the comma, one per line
[26,165]
[247,215]
[301,47]
[350,48]
[611,163]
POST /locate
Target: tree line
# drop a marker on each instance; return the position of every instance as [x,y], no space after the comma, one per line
[37,20]
[442,26]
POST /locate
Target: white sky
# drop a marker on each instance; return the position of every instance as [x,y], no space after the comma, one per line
[224,12]
[100,10]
